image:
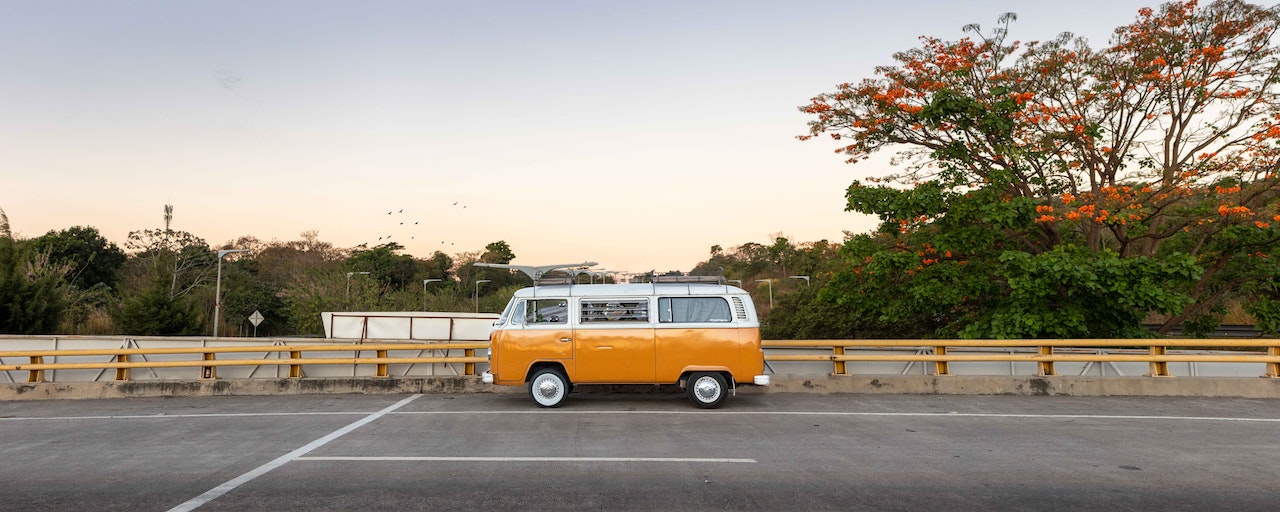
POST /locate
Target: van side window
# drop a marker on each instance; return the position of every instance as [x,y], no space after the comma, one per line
[613,310]
[693,310]
[546,311]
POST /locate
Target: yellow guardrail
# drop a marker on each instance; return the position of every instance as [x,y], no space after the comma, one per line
[1257,350]
[1042,352]
[208,362]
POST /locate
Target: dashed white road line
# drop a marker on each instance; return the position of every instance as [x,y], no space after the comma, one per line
[230,485]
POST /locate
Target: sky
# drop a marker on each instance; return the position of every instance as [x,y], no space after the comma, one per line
[633,134]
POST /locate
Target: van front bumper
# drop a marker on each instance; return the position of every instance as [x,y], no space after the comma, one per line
[759,380]
[487,377]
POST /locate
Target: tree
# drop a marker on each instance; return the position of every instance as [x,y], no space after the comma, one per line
[1157,153]
[167,266]
[389,269]
[177,260]
[499,252]
[154,313]
[93,259]
[32,288]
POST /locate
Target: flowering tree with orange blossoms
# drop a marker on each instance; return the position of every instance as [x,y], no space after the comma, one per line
[1099,185]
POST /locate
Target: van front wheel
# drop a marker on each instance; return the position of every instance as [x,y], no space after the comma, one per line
[706,390]
[549,387]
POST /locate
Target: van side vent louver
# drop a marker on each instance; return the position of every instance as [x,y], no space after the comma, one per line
[739,310]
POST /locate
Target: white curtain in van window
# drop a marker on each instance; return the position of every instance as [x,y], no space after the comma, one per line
[699,309]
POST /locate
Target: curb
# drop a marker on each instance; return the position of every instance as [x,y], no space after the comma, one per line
[1234,387]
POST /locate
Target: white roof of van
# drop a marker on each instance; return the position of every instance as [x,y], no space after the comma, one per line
[629,290]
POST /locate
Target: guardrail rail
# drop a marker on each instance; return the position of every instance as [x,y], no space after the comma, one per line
[940,354]
[1044,353]
[205,358]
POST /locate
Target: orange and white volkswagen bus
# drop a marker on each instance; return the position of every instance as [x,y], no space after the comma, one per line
[703,337]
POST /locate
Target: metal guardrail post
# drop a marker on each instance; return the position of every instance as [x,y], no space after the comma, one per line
[122,373]
[1273,369]
[468,368]
[941,366]
[36,375]
[381,371]
[1045,368]
[208,372]
[1159,368]
[839,364]
[295,370]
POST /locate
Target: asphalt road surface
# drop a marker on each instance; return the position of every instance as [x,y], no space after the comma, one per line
[606,451]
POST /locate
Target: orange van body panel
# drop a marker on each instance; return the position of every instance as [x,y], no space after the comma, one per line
[681,349]
[513,352]
[614,356]
[627,356]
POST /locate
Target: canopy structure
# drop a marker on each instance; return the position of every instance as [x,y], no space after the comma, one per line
[536,272]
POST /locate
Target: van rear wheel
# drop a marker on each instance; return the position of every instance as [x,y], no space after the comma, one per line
[549,387]
[706,389]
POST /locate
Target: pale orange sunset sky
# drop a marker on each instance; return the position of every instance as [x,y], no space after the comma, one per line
[633,134]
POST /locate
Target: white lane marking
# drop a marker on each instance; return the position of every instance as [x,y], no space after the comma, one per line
[163,416]
[689,413]
[230,485]
[532,459]
[873,414]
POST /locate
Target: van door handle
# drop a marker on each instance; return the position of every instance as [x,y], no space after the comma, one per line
[566,340]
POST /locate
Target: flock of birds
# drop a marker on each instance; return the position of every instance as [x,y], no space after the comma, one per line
[398,221]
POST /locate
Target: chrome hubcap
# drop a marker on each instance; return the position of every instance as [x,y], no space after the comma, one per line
[706,389]
[547,388]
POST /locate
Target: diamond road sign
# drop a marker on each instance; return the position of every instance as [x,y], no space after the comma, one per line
[255,318]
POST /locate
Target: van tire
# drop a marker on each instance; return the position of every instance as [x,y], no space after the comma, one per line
[549,387]
[707,390]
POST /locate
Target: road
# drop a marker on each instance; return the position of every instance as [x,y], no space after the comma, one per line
[601,451]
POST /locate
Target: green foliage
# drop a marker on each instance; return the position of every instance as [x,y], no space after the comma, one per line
[31,301]
[1266,308]
[388,268]
[242,295]
[32,289]
[1069,292]
[92,258]
[155,313]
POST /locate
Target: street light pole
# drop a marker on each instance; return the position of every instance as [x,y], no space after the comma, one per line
[349,274]
[424,291]
[806,279]
[770,283]
[217,294]
[478,293]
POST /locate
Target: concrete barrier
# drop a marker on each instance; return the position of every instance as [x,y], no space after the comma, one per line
[1238,387]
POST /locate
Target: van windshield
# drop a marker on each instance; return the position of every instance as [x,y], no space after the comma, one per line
[506,313]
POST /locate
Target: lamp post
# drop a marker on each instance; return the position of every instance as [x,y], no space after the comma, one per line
[739,281]
[806,279]
[770,283]
[478,293]
[217,294]
[349,274]
[424,291]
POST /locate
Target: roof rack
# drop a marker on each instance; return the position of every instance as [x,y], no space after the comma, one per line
[553,280]
[689,279]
